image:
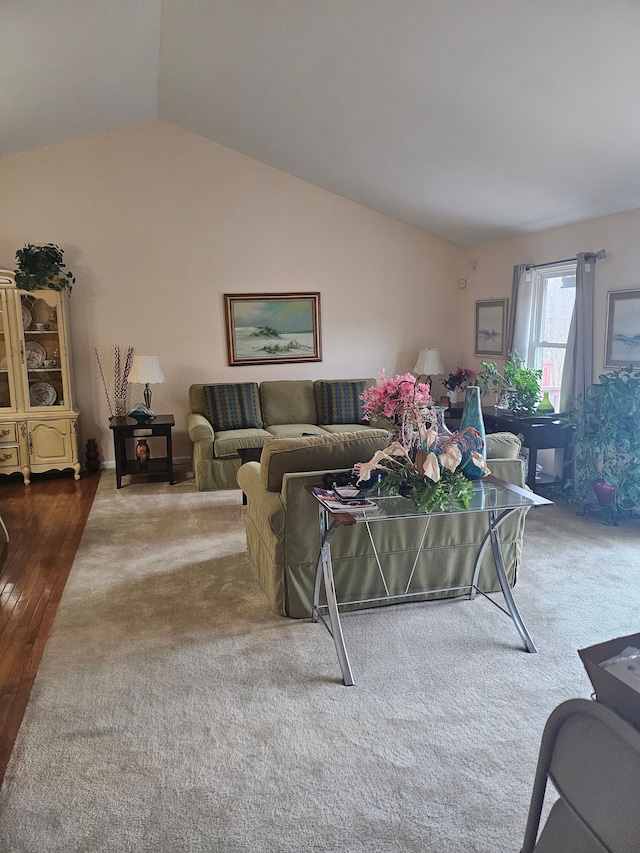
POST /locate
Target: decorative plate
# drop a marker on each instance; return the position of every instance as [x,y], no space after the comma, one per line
[36,354]
[42,394]
[26,317]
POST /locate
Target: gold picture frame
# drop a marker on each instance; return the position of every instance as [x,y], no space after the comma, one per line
[272,328]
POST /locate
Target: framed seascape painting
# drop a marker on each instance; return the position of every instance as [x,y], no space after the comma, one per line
[491,327]
[272,328]
[622,347]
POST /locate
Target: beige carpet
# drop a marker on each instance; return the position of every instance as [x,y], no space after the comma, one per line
[173,712]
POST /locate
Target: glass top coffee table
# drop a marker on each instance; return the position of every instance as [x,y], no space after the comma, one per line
[499,500]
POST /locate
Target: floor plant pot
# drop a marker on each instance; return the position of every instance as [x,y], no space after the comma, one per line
[605,492]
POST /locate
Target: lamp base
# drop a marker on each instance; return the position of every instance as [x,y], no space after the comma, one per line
[423,379]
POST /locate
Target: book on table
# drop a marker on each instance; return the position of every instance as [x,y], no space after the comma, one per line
[344,503]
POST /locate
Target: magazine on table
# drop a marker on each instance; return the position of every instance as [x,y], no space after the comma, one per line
[340,500]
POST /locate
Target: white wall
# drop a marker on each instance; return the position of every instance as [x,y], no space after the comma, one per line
[157,223]
[618,234]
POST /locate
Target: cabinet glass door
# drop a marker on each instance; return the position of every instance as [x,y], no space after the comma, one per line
[7,386]
[43,353]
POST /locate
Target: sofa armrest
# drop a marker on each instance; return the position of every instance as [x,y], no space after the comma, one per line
[249,480]
[266,507]
[510,470]
[199,427]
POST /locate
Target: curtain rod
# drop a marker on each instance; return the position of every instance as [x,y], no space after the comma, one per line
[552,263]
[590,256]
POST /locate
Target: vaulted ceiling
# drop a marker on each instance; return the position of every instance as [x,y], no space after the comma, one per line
[472,119]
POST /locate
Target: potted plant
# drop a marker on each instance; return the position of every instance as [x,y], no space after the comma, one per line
[455,382]
[517,387]
[41,267]
[606,441]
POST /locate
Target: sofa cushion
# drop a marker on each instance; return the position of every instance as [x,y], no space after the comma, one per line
[227,442]
[288,401]
[340,428]
[338,401]
[294,430]
[317,453]
[503,445]
[233,405]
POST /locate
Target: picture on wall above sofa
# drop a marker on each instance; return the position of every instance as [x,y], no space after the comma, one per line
[272,328]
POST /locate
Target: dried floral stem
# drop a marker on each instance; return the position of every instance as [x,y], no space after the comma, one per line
[125,372]
[116,372]
[120,378]
[104,383]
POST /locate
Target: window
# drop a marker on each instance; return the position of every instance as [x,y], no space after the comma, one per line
[554,293]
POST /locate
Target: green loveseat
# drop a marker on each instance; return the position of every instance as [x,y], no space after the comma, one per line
[224,418]
[283,539]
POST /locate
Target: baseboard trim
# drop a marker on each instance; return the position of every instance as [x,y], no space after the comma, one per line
[181,463]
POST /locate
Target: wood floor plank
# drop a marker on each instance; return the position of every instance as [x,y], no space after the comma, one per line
[45,522]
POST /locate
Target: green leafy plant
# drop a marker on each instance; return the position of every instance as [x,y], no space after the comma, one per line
[518,384]
[41,267]
[606,438]
[450,491]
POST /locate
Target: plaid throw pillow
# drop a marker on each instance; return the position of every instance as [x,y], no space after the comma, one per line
[233,406]
[339,402]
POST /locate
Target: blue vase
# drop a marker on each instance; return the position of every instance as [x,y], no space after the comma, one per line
[472,417]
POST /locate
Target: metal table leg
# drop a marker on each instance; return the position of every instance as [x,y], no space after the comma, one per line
[324,524]
[494,539]
[494,524]
[334,615]
[325,571]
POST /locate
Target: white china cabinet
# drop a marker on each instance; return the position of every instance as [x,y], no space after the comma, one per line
[38,422]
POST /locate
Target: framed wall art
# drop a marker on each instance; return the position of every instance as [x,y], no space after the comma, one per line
[273,328]
[491,327]
[622,345]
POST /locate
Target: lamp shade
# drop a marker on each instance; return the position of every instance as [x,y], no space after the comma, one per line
[146,370]
[429,362]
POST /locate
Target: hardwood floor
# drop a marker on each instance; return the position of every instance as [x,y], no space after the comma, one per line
[45,522]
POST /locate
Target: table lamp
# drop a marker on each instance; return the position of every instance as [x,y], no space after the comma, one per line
[146,371]
[429,364]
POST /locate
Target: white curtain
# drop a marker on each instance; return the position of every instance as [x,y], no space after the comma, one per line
[520,313]
[577,374]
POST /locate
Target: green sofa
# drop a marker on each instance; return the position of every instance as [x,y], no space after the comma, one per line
[283,539]
[224,418]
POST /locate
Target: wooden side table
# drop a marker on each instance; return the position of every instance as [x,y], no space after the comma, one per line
[124,428]
[538,432]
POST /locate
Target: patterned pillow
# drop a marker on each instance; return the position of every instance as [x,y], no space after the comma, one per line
[233,406]
[339,402]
